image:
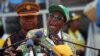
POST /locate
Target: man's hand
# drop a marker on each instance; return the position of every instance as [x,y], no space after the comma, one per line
[10,52]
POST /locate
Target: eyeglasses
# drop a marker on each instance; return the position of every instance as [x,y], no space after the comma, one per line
[56,17]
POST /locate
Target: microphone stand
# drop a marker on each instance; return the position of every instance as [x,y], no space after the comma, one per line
[2,49]
[14,44]
[83,46]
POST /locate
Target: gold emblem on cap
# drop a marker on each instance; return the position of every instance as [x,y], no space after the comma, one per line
[28,7]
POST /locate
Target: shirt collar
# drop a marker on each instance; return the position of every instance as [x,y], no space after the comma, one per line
[59,34]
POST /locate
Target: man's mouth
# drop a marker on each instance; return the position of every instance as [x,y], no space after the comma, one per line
[52,26]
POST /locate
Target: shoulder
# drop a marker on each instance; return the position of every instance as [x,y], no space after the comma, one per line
[66,36]
[35,30]
[15,35]
[12,37]
[8,40]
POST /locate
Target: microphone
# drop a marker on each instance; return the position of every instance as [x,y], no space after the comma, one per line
[29,43]
[82,46]
[37,40]
[37,35]
[30,49]
[14,44]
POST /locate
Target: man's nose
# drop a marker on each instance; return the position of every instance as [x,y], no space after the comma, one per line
[53,21]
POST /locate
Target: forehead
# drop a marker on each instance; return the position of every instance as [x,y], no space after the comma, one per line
[57,13]
[29,11]
[75,19]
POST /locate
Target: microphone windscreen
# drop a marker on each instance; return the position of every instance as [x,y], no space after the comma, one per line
[34,33]
[39,34]
[29,43]
[62,50]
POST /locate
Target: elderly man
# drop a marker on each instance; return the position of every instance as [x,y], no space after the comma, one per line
[28,18]
[58,16]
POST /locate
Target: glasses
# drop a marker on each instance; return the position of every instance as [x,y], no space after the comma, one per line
[56,17]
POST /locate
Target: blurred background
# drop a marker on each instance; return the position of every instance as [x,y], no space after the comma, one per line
[9,20]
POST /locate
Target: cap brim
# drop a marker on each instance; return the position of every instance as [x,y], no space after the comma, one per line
[28,14]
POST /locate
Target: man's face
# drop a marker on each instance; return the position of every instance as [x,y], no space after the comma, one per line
[75,24]
[55,22]
[28,22]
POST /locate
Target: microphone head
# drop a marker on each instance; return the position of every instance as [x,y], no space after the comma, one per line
[39,34]
[29,43]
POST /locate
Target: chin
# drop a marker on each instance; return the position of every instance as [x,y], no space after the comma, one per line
[52,30]
[30,28]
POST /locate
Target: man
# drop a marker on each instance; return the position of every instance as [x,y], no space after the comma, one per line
[28,18]
[75,34]
[58,16]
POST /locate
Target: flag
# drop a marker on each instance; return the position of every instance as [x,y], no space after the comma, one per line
[98,13]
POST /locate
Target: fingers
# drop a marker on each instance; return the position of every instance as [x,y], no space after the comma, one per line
[10,52]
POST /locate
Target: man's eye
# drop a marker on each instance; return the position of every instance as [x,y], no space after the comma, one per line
[51,15]
[59,18]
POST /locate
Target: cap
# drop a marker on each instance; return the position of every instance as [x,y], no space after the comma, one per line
[75,17]
[61,9]
[28,8]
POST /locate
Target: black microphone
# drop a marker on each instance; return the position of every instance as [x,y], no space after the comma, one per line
[38,37]
[14,44]
[39,34]
[18,52]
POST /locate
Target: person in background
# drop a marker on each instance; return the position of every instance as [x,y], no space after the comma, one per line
[3,35]
[75,34]
[28,18]
[57,19]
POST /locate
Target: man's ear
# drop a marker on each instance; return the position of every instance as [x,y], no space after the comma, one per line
[18,18]
[64,23]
